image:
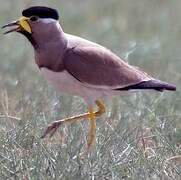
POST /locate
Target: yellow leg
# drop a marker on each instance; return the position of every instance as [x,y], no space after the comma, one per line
[51,129]
[101,107]
[92,116]
[92,130]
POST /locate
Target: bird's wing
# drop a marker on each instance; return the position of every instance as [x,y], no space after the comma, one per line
[99,67]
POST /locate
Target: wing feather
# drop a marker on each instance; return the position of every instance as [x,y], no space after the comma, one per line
[99,67]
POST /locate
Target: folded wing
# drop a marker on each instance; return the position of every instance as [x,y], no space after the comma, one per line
[99,67]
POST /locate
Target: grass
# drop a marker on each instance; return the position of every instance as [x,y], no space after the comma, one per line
[134,144]
[140,135]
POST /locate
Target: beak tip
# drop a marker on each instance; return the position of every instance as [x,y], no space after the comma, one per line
[14,23]
[3,27]
[4,33]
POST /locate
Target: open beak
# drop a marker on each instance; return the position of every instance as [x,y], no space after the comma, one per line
[18,26]
[14,26]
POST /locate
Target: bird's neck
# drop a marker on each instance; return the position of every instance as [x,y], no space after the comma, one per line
[50,53]
[47,35]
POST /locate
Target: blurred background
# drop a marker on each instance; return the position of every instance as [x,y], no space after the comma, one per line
[140,135]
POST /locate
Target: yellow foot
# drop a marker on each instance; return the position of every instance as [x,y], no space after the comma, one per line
[52,128]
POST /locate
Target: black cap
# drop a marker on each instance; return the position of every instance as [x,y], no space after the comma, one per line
[41,11]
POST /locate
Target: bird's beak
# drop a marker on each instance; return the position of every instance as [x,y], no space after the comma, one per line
[18,26]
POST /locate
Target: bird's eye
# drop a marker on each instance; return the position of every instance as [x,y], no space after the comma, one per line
[34,18]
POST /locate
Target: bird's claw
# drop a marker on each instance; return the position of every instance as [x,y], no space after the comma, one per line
[51,129]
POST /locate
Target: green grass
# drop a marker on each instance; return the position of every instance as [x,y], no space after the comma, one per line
[140,135]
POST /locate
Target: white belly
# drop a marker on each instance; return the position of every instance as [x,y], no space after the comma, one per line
[66,83]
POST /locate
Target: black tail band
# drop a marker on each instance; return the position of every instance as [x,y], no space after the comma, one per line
[151,84]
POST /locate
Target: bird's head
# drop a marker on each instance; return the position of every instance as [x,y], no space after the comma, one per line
[37,23]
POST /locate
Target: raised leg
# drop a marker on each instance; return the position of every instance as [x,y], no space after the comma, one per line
[52,128]
[91,115]
[101,107]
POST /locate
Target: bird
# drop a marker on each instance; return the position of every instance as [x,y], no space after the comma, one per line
[78,66]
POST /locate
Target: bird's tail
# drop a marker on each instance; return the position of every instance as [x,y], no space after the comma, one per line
[152,84]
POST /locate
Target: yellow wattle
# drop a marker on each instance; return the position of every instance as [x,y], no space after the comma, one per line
[24,24]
